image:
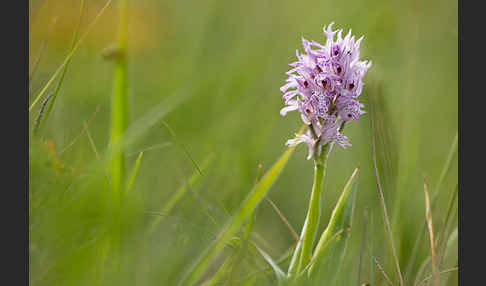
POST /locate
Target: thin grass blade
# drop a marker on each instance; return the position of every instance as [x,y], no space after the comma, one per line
[371,251]
[450,207]
[136,129]
[382,271]
[428,215]
[284,220]
[281,260]
[421,270]
[363,244]
[382,201]
[420,235]
[182,146]
[41,52]
[44,116]
[218,276]
[447,166]
[154,116]
[422,283]
[69,56]
[235,269]
[177,196]
[450,253]
[328,256]
[134,171]
[281,276]
[256,195]
[441,241]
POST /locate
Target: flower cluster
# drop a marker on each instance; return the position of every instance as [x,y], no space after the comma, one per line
[324,86]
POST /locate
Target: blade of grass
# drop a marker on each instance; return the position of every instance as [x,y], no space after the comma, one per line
[63,72]
[420,235]
[324,248]
[91,119]
[134,171]
[450,251]
[41,112]
[371,251]
[442,272]
[153,147]
[441,240]
[152,117]
[421,270]
[172,133]
[452,200]
[450,279]
[284,219]
[235,269]
[281,276]
[341,218]
[95,150]
[41,52]
[246,208]
[382,199]
[143,124]
[447,166]
[382,271]
[206,207]
[69,56]
[136,129]
[363,244]
[287,254]
[177,196]
[91,142]
[219,274]
[292,270]
[428,215]
[450,254]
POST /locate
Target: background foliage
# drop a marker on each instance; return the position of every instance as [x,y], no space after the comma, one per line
[224,61]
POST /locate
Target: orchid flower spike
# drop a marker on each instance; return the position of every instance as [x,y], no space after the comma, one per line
[324,85]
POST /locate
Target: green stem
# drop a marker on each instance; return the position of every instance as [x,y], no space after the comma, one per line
[119,108]
[313,216]
[119,122]
[314,212]
[309,229]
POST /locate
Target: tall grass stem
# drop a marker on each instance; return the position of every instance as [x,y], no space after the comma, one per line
[428,215]
[382,199]
[420,234]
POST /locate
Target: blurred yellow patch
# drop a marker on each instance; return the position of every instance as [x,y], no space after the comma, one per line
[54,161]
[142,24]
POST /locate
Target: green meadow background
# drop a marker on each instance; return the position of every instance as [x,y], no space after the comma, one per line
[212,70]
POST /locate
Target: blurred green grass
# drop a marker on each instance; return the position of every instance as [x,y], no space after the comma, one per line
[230,57]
